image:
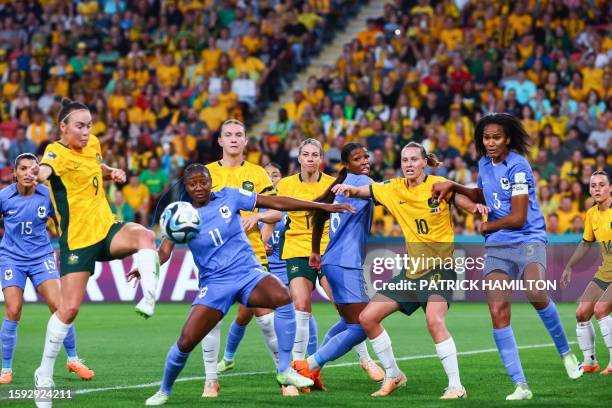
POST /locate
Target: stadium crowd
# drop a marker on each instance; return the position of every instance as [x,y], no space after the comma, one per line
[425,71]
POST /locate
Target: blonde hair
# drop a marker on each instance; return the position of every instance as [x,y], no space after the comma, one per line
[432,160]
[310,141]
[232,122]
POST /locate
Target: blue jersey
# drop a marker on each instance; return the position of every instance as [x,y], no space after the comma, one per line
[348,232]
[274,260]
[222,247]
[25,240]
[499,183]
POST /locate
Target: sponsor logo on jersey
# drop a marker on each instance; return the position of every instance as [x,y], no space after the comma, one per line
[73,259]
[248,186]
[225,212]
[8,274]
[505,183]
[42,212]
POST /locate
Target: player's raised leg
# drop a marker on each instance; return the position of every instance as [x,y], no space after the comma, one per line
[603,308]
[585,332]
[547,310]
[202,319]
[370,318]
[135,239]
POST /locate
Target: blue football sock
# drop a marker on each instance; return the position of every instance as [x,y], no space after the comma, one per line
[70,342]
[340,344]
[552,321]
[234,337]
[9,339]
[340,326]
[313,336]
[508,351]
[284,326]
[175,361]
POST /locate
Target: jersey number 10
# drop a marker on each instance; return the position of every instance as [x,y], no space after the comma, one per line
[422,227]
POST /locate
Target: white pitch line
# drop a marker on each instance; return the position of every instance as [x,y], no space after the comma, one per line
[248,373]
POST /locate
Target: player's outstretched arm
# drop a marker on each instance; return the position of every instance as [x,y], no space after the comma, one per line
[579,253]
[468,205]
[352,191]
[282,203]
[317,233]
[514,220]
[444,189]
[40,173]
[111,173]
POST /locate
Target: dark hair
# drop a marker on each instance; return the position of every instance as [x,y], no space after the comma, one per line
[69,106]
[432,159]
[276,166]
[513,129]
[196,168]
[25,156]
[328,196]
[601,173]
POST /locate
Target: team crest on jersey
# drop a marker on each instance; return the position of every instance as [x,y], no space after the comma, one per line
[432,203]
[51,155]
[294,268]
[505,183]
[225,212]
[73,259]
[99,157]
[248,186]
[42,212]
[8,274]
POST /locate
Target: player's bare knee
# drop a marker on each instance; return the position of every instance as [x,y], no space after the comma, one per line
[13,312]
[146,239]
[302,305]
[186,344]
[602,309]
[367,320]
[583,313]
[537,297]
[500,315]
[68,313]
[434,322]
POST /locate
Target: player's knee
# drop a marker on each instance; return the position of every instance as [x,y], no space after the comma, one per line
[367,320]
[537,296]
[186,344]
[302,305]
[13,312]
[434,322]
[68,313]
[500,313]
[146,239]
[602,309]
[280,298]
[583,313]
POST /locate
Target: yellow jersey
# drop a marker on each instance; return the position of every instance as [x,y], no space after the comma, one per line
[427,226]
[297,240]
[598,227]
[247,176]
[77,192]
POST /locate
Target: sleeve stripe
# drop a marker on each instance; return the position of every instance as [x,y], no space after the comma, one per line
[265,190]
[372,195]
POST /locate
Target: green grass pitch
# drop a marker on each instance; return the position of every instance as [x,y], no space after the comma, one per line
[127,354]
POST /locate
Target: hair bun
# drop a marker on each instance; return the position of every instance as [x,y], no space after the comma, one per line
[65,101]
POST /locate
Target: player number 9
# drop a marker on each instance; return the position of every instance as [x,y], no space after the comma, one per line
[95,183]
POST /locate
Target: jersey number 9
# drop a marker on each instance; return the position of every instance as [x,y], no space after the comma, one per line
[95,184]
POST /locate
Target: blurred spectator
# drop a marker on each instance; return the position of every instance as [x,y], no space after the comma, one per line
[123,211]
[20,145]
[137,196]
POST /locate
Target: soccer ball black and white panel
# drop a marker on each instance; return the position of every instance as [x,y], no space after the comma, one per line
[180,222]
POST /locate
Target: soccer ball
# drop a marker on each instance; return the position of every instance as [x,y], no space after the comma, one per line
[180,222]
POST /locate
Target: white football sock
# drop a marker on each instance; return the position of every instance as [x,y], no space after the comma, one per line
[384,351]
[447,352]
[312,363]
[54,339]
[266,324]
[362,351]
[210,352]
[301,334]
[605,324]
[586,340]
[148,266]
